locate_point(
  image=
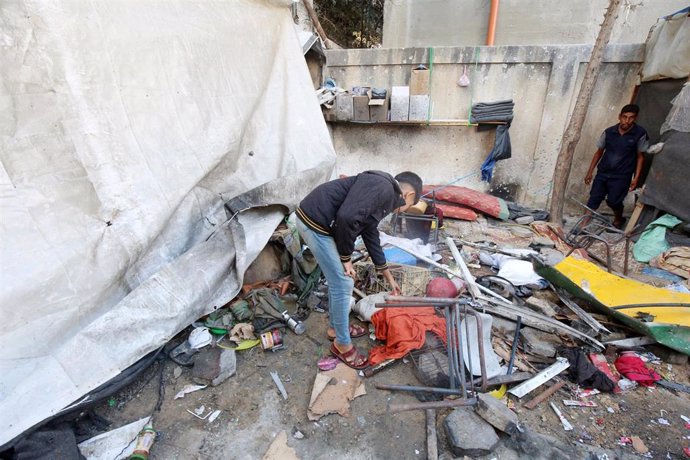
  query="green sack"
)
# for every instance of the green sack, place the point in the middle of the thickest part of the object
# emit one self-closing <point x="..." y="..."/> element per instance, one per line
<point x="652" y="241"/>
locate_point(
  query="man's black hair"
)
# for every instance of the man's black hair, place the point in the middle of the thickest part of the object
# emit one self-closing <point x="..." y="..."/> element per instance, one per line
<point x="631" y="108"/>
<point x="413" y="181"/>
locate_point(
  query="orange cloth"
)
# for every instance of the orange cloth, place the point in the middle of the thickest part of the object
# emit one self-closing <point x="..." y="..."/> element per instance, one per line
<point x="404" y="329"/>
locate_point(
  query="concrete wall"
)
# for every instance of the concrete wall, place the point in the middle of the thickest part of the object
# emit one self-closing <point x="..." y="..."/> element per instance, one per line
<point x="542" y="80"/>
<point x="422" y="23"/>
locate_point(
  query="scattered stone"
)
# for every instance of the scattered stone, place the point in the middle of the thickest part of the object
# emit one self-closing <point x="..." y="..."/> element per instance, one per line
<point x="468" y="434"/>
<point x="177" y="372"/>
<point x="497" y="414"/>
<point x="298" y="434"/>
<point x="539" y="343"/>
<point x="542" y="306"/>
<point x="639" y="445"/>
<point x="543" y="241"/>
<point x="213" y="366"/>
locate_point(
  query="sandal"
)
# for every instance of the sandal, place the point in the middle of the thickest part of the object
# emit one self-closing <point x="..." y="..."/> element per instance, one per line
<point x="351" y="358"/>
<point x="355" y="332"/>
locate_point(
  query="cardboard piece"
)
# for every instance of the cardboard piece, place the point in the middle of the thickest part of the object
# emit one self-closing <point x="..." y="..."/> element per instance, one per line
<point x="279" y="449"/>
<point x="419" y="82"/>
<point x="333" y="390"/>
<point x="400" y="103"/>
<point x="360" y="105"/>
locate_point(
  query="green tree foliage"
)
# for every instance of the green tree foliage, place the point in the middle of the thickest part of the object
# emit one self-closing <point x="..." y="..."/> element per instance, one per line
<point x="352" y="23"/>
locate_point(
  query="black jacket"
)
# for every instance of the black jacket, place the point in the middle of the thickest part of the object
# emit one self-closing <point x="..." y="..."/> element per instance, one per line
<point x="346" y="208"/>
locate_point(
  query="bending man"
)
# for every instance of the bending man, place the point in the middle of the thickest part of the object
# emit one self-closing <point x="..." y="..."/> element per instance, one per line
<point x="329" y="220"/>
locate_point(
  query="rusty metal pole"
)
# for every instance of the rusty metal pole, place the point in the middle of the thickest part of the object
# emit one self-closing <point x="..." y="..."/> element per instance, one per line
<point x="491" y="30"/>
<point x="315" y="21"/>
<point x="572" y="133"/>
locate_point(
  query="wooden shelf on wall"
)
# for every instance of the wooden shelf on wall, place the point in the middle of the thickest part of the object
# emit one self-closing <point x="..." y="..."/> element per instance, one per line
<point x="420" y="123"/>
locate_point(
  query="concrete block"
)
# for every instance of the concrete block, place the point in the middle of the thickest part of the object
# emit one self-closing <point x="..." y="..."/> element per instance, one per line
<point x="497" y="414"/>
<point x="343" y="107"/>
<point x="542" y="306"/>
<point x="419" y="82"/>
<point x="468" y="434"/>
<point x="539" y="343"/>
<point x="419" y="107"/>
<point x="360" y="107"/>
<point x="213" y="366"/>
<point x="400" y="103"/>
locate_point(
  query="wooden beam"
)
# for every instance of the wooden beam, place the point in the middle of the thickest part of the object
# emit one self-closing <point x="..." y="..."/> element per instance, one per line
<point x="572" y="133"/>
<point x="315" y="21"/>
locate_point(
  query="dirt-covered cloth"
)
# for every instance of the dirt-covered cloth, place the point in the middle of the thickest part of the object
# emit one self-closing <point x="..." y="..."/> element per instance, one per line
<point x="584" y="373"/>
<point x="404" y="330"/>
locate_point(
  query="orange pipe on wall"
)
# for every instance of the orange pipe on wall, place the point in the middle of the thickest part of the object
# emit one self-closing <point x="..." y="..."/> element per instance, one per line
<point x="493" y="15"/>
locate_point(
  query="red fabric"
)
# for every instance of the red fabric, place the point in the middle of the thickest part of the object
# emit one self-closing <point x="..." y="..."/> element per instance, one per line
<point x="474" y="199"/>
<point x="633" y="368"/>
<point x="404" y="329"/>
<point x="454" y="211"/>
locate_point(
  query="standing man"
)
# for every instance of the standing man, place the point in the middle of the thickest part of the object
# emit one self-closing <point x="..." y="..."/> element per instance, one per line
<point x="619" y="157"/>
<point x="329" y="220"/>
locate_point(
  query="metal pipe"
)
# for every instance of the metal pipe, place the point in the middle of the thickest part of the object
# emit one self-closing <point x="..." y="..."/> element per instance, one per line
<point x="513" y="350"/>
<point x="445" y="391"/>
<point x="440" y="301"/>
<point x="461" y="359"/>
<point x="433" y="405"/>
<point x="493" y="16"/>
<point x="451" y="371"/>
<point x="457" y="350"/>
<point x="480" y="344"/>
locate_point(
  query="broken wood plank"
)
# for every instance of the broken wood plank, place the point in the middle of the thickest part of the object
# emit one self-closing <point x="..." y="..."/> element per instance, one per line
<point x="544" y="376"/>
<point x="431" y="439"/>
<point x="535" y="320"/>
<point x="509" y="378"/>
<point x="583" y="315"/>
<point x="632" y="342"/>
<point x="469" y="279"/>
<point x="544" y="395"/>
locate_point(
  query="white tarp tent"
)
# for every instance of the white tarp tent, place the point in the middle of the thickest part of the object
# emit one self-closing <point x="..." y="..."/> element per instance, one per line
<point x="124" y="128"/>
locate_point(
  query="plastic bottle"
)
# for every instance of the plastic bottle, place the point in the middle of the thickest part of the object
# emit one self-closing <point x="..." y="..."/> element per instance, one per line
<point x="144" y="442"/>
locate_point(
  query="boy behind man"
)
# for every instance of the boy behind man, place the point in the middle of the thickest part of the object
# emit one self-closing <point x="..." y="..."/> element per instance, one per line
<point x="619" y="156"/>
<point x="329" y="220"/>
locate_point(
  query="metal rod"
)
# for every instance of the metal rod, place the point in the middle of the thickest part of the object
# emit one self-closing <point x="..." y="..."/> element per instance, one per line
<point x="513" y="350"/>
<point x="544" y="395"/>
<point x="461" y="360"/>
<point x="438" y="301"/>
<point x="480" y="344"/>
<point x="459" y="363"/>
<point x="433" y="405"/>
<point x="451" y="371"/>
<point x="445" y="391"/>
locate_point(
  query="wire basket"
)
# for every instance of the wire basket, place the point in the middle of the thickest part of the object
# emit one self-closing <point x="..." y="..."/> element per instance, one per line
<point x="411" y="279"/>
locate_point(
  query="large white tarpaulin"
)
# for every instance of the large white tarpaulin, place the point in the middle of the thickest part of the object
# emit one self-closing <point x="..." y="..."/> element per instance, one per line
<point x="124" y="128"/>
<point x="667" y="51"/>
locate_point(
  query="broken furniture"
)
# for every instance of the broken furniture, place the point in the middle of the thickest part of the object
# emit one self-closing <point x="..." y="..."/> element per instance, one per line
<point x="589" y="229"/>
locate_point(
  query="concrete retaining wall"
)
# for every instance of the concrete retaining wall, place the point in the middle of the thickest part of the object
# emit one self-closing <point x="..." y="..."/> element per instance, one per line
<point x="542" y="80"/>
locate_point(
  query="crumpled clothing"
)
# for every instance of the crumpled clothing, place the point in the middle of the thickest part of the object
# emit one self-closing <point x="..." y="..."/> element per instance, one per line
<point x="633" y="368"/>
<point x="584" y="373"/>
<point x="404" y="330"/>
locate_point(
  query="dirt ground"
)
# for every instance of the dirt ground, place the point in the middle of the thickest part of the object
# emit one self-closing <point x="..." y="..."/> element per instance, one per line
<point x="253" y="411"/>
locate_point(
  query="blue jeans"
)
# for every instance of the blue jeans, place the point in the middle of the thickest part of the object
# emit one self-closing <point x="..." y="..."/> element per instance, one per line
<point x="339" y="285"/>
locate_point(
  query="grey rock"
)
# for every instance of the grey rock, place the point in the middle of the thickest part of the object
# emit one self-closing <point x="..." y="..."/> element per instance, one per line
<point x="542" y="306"/>
<point x="539" y="343"/>
<point x="525" y="220"/>
<point x="468" y="434"/>
<point x="497" y="414"/>
<point x="213" y="366"/>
